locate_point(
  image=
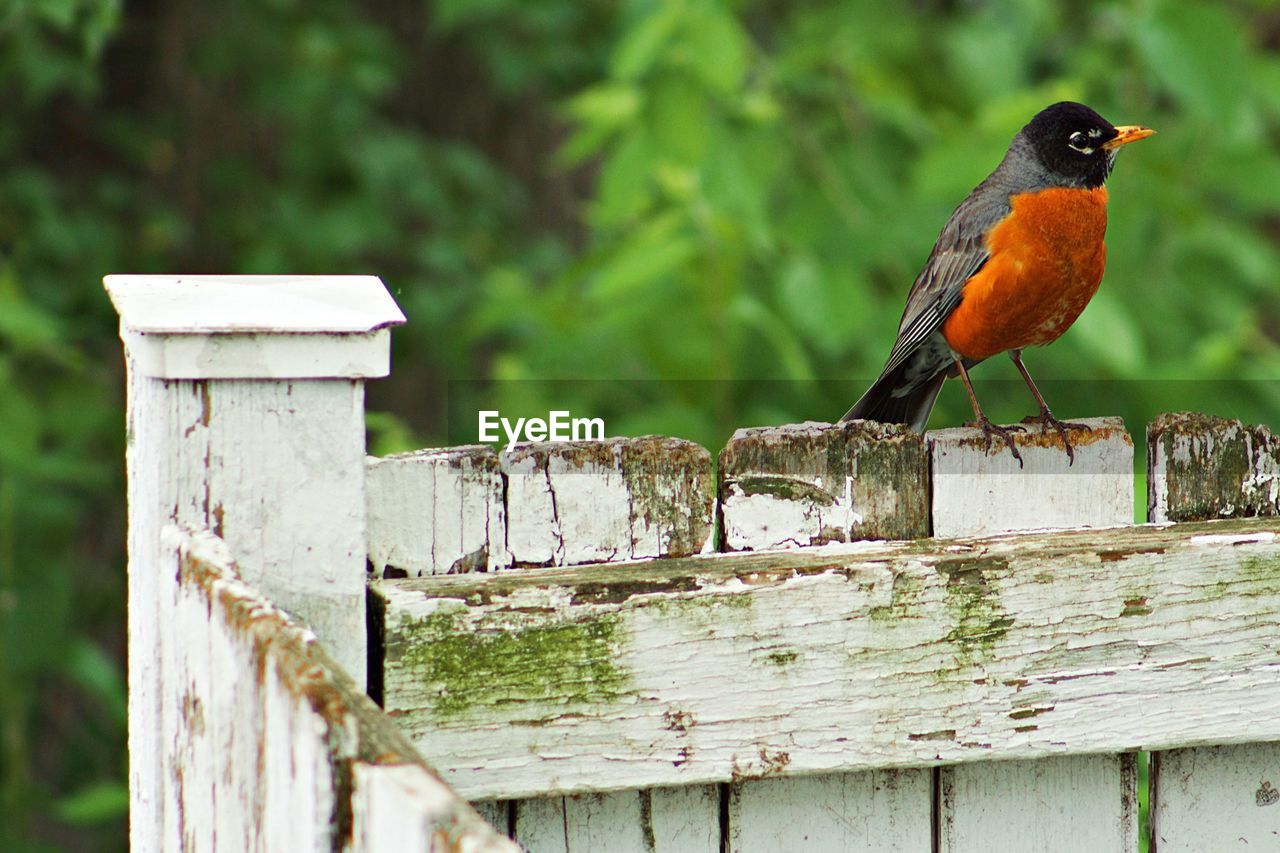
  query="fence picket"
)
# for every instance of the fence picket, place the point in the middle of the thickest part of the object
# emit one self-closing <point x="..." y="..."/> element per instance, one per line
<point x="1069" y="804"/>
<point x="876" y="811"/>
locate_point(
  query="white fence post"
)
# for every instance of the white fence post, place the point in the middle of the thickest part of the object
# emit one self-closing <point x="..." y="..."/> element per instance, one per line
<point x="246" y="416"/>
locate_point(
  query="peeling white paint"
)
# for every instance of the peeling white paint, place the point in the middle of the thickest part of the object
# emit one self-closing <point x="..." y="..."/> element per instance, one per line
<point x="861" y="668"/>
<point x="978" y="491"/>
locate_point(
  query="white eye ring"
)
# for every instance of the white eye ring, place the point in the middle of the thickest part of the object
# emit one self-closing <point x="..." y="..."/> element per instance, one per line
<point x="1080" y="142"/>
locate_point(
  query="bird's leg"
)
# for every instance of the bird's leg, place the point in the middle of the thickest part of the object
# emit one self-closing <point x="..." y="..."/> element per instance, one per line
<point x="984" y="424"/>
<point x="1046" y="417"/>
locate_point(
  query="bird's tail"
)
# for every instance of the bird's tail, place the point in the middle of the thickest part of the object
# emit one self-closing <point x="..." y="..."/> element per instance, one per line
<point x="893" y="400"/>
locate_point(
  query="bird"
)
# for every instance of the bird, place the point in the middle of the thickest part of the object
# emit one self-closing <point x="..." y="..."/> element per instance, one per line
<point x="1014" y="266"/>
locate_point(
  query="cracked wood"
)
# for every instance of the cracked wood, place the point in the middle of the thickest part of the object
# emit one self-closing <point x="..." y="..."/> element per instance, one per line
<point x="842" y="658"/>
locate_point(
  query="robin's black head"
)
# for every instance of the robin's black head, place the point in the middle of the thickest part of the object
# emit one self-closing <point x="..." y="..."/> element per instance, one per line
<point x="1076" y="145"/>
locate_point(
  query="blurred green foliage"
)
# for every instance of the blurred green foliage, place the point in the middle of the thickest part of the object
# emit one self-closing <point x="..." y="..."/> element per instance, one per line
<point x="697" y="215"/>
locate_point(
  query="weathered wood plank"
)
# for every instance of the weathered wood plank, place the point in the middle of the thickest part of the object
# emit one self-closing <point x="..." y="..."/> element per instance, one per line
<point x="843" y="658"/>
<point x="1217" y="798"/>
<point x="684" y="819"/>
<point x="602" y="501"/>
<point x="268" y="744"/>
<point x="1201" y="467"/>
<point x="659" y="820"/>
<point x="437" y="511"/>
<point x="978" y="492"/>
<point x="496" y="813"/>
<point x="814" y="483"/>
<point x="1066" y="804"/>
<point x="880" y="811"/>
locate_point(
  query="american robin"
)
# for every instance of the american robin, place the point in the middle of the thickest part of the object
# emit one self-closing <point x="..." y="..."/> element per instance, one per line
<point x="1014" y="266"/>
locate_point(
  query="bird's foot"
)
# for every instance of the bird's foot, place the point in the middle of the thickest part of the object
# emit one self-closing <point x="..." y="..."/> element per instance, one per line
<point x="1005" y="432"/>
<point x="1049" y="422"/>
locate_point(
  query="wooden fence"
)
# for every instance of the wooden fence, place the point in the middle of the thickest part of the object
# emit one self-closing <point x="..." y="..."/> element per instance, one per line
<point x="844" y="637"/>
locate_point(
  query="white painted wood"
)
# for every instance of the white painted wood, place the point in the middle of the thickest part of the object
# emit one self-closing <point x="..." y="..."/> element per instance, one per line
<point x="881" y="811"/>
<point x="400" y="807"/>
<point x="276" y="467"/>
<point x="602" y="501"/>
<point x="437" y="511"/>
<point x="813" y="483"/>
<point x="1217" y="798"/>
<point x="274" y="304"/>
<point x="260" y="356"/>
<point x="540" y="825"/>
<point x="977" y="492"/>
<point x="1067" y="804"/>
<point x="685" y="819"/>
<point x="258" y="727"/>
<point x="661" y="820"/>
<point x="842" y="658"/>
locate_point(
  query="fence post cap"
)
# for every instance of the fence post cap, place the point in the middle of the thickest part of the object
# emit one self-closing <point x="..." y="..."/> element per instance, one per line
<point x="255" y="326"/>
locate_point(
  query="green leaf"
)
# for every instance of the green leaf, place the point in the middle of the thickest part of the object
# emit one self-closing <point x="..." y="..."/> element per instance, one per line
<point x="90" y="667"/>
<point x="641" y="47"/>
<point x="625" y="186"/>
<point x="1197" y="51"/>
<point x="97" y="802"/>
<point x="1108" y="331"/>
<point x="717" y="49"/>
<point x="656" y="250"/>
<point x="755" y="315"/>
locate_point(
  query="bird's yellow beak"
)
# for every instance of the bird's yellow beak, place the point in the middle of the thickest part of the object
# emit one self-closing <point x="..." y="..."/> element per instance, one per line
<point x="1126" y="134"/>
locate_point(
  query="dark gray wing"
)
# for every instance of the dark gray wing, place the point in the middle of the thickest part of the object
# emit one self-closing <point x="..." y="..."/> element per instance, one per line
<point x="958" y="254"/>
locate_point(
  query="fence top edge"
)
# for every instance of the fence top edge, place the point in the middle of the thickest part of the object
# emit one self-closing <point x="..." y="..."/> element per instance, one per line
<point x="744" y="569"/>
<point x="258" y="304"/>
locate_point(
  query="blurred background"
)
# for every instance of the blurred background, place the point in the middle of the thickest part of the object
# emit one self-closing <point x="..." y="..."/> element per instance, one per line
<point x="683" y="216"/>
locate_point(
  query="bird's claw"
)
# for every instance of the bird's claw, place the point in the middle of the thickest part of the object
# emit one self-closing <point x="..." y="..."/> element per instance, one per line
<point x="1049" y="422"/>
<point x="1005" y="432"/>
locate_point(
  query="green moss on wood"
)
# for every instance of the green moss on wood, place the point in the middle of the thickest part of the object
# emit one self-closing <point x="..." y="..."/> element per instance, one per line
<point x="782" y="658"/>
<point x="905" y="601"/>
<point x="975" y="607"/>
<point x="785" y="488"/>
<point x="466" y="667"/>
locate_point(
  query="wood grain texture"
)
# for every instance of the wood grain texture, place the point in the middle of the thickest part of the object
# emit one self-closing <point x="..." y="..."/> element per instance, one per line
<point x="437" y="511"/>
<point x="659" y="820"/>
<point x="814" y="483"/>
<point x="266" y="743"/>
<point x="881" y="811"/>
<point x="274" y="468"/>
<point x="1066" y="804"/>
<point x="1201" y="467"/>
<point x="1217" y="798"/>
<point x="977" y="492"/>
<point x="602" y="501"/>
<point x="843" y="658"/>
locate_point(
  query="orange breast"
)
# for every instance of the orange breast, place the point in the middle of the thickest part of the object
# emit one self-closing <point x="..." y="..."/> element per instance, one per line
<point x="1046" y="262"/>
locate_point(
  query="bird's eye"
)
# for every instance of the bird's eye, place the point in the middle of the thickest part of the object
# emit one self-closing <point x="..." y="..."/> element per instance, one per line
<point x="1078" y="141"/>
